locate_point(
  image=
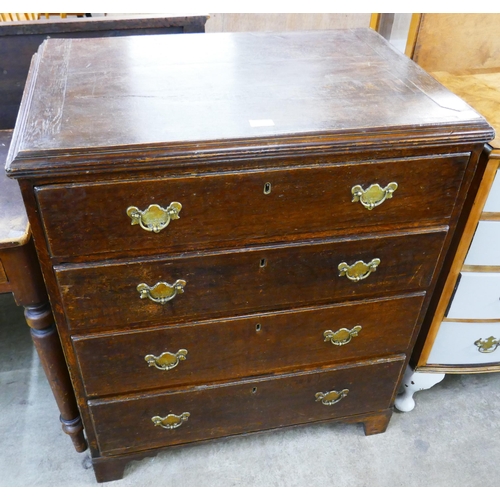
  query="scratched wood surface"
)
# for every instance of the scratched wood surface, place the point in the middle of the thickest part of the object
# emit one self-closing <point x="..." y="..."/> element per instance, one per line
<point x="225" y="284"/>
<point x="244" y="347"/>
<point x="172" y="89"/>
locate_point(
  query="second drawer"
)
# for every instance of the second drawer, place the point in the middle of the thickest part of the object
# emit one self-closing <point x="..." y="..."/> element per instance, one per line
<point x="234" y="348"/>
<point x="108" y="296"/>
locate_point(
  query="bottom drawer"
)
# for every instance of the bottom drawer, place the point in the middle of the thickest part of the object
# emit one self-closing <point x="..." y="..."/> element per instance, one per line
<point x="207" y="412"/>
<point x="455" y="344"/>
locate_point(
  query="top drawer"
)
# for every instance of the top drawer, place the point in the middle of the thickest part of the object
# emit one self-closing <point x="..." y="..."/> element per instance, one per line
<point x="236" y="209"/>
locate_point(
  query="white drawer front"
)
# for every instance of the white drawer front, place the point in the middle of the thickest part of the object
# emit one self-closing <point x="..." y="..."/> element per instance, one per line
<point x="477" y="297"/>
<point x="493" y="201"/>
<point x="485" y="247"/>
<point x="454" y="344"/>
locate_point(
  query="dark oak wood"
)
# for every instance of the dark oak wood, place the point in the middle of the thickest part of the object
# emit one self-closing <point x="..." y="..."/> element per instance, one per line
<point x="243" y="347"/>
<point x="316" y="200"/>
<point x="20" y="40"/>
<point x="113" y="468"/>
<point x="346" y="109"/>
<point x="191" y="109"/>
<point x="220" y="410"/>
<point x="377" y="423"/>
<point x="225" y="284"/>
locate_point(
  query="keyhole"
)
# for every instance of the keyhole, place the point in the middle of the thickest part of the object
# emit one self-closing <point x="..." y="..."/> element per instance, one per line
<point x="263" y="262"/>
<point x="267" y="188"/>
<point x="258" y="327"/>
<point x="254" y="390"/>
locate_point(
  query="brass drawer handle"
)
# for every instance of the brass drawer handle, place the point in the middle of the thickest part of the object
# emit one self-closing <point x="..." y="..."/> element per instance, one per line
<point x="374" y="196"/>
<point x="154" y="218"/>
<point x="162" y="292"/>
<point x="332" y="397"/>
<point x="166" y="360"/>
<point x="359" y="270"/>
<point x="342" y="336"/>
<point x="488" y="345"/>
<point x="171" y="421"/>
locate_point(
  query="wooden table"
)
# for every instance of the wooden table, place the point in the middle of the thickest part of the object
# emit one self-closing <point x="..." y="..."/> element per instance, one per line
<point x="20" y="274"/>
<point x="19" y="269"/>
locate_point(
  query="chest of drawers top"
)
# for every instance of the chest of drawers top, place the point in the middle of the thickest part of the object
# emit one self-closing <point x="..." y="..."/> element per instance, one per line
<point x="126" y="104"/>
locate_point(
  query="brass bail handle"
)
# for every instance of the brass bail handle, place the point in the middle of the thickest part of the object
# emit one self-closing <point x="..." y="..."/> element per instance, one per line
<point x="374" y="196"/>
<point x="488" y="345"/>
<point x="154" y="218"/>
<point x="162" y="292"/>
<point x="332" y="397"/>
<point x="359" y="270"/>
<point x="342" y="336"/>
<point x="166" y="360"/>
<point x="171" y="421"/>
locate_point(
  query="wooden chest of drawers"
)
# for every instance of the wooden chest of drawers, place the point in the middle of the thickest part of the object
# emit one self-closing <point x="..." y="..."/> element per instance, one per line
<point x="238" y="232"/>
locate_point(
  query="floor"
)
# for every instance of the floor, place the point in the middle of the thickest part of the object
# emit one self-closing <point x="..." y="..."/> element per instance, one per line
<point x="451" y="438"/>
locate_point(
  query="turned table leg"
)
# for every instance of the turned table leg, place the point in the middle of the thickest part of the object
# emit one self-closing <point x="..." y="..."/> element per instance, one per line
<point x="48" y="346"/>
<point x="26" y="283"/>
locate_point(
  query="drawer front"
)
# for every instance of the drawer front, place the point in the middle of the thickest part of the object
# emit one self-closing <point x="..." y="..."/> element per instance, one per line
<point x="492" y="204"/>
<point x="466" y="344"/>
<point x="241" y="407"/>
<point x="229" y="284"/>
<point x="251" y="346"/>
<point x="477" y="297"/>
<point x="485" y="244"/>
<point x="237" y="209"/>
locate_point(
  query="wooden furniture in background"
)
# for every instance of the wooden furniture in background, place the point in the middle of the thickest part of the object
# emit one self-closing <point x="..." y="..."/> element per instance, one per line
<point x="19" y="41"/>
<point x="462" y="51"/>
<point x="234" y="22"/>
<point x="19" y="269"/>
<point x="246" y="249"/>
<point x="34" y="16"/>
<point x="20" y="274"/>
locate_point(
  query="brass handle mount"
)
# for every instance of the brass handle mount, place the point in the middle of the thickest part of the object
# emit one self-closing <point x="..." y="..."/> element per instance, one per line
<point x="342" y="336"/>
<point x="162" y="292"/>
<point x="332" y="397"/>
<point x="359" y="270"/>
<point x="374" y="196"/>
<point x="171" y="421"/>
<point x="154" y="218"/>
<point x="487" y="346"/>
<point x="166" y="360"/>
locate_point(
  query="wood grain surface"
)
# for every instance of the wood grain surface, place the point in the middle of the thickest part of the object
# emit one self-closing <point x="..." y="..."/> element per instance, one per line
<point x="242" y="347"/>
<point x="187" y="91"/>
<point x="251" y="405"/>
<point x="233" y="209"/>
<point x="105" y="296"/>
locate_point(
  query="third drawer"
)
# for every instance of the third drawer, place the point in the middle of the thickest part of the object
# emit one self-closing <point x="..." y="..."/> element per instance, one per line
<point x="241" y="347"/>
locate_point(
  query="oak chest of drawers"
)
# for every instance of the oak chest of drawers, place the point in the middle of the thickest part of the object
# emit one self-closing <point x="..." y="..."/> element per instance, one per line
<point x="238" y="232"/>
